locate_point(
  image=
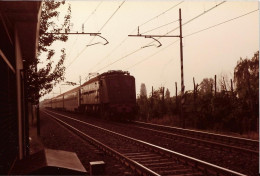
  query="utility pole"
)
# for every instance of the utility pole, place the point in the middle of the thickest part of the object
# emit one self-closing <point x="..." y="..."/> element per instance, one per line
<point x="215" y="85"/>
<point x="79" y="91"/>
<point x="182" y="74"/>
<point x="176" y="95"/>
<point x="181" y="58"/>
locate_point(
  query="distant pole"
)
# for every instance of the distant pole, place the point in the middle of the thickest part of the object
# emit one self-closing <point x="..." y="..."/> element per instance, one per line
<point x="181" y="57"/>
<point x="194" y="91"/>
<point x="152" y="98"/>
<point x="79" y="101"/>
<point x="182" y="75"/>
<point x="176" y="95"/>
<point x="215" y="85"/>
<point x="231" y="85"/>
<point x="163" y="109"/>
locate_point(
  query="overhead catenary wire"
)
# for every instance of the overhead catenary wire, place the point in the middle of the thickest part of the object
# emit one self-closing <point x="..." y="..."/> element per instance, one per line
<point x="161" y="13"/>
<point x="148" y="57"/>
<point x="98" y="32"/>
<point x="203" y="13"/>
<point x="93" y="12"/>
<point x="221" y="23"/>
<point x="121" y="58"/>
<point x="187" y="22"/>
<point x="107" y="20"/>
<point x="194" y="34"/>
<point x="132" y="32"/>
<point x="72" y="46"/>
<point x="160" y="26"/>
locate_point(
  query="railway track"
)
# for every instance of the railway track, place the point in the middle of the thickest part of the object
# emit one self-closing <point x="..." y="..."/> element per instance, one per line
<point x="142" y="157"/>
<point x="224" y="142"/>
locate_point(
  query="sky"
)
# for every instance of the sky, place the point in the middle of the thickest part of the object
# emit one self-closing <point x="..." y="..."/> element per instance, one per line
<point x="211" y="52"/>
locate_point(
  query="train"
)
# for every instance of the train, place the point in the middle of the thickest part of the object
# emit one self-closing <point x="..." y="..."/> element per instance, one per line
<point x="110" y="95"/>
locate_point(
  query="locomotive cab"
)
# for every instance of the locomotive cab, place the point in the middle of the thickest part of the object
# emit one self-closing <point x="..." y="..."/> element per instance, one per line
<point x="117" y="93"/>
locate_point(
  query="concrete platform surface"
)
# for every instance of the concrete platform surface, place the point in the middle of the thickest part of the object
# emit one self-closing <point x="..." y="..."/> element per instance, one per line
<point x="51" y="162"/>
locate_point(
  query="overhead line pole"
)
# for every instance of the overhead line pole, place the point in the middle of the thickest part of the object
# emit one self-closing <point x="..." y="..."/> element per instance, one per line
<point x="182" y="74"/>
<point x="181" y="59"/>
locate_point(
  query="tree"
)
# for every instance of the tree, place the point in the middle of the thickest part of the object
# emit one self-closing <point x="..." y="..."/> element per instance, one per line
<point x="167" y="94"/>
<point x="224" y="81"/>
<point x="206" y="85"/>
<point x="246" y="78"/>
<point x="41" y="81"/>
<point x="143" y="91"/>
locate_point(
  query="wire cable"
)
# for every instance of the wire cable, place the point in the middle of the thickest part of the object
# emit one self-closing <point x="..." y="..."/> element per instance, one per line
<point x="98" y="31"/>
<point x="161" y="13"/>
<point x="203" y="13"/>
<point x="164" y="35"/>
<point x="108" y="54"/>
<point x="107" y="21"/>
<point x="72" y="46"/>
<point x="221" y="23"/>
<point x="194" y="34"/>
<point x="93" y="12"/>
<point x="133" y="31"/>
<point x="148" y="57"/>
<point x="121" y="58"/>
<point x="159" y="27"/>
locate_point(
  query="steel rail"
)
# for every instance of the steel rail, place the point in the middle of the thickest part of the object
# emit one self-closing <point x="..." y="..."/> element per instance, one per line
<point x="205" y="142"/>
<point x="205" y="167"/>
<point x="135" y="166"/>
<point x="209" y="135"/>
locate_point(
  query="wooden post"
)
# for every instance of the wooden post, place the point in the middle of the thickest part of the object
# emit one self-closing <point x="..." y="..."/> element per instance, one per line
<point x="152" y="99"/>
<point x="163" y="109"/>
<point x="194" y="94"/>
<point x="231" y="82"/>
<point x="194" y="91"/>
<point x="215" y="85"/>
<point x="176" y="96"/>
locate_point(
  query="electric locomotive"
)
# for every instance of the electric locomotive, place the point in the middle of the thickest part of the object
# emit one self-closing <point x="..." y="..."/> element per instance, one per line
<point x="111" y="95"/>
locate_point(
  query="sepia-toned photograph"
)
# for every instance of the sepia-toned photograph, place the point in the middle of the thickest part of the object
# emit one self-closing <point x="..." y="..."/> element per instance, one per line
<point x="129" y="87"/>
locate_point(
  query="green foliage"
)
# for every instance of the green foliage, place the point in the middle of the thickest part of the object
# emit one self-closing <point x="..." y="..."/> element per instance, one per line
<point x="233" y="110"/>
<point x="41" y="81"/>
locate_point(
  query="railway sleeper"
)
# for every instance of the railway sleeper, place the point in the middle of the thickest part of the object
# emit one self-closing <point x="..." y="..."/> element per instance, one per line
<point x="175" y="171"/>
<point x="160" y="164"/>
<point x="141" y="155"/>
<point x="146" y="158"/>
<point x="167" y="167"/>
<point x="135" y="154"/>
<point x="154" y="161"/>
<point x="189" y="174"/>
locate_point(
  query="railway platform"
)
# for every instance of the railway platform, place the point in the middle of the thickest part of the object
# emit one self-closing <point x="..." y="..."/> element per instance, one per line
<point x="42" y="160"/>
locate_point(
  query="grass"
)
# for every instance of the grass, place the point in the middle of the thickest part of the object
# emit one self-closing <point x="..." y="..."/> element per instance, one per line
<point x="174" y="120"/>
